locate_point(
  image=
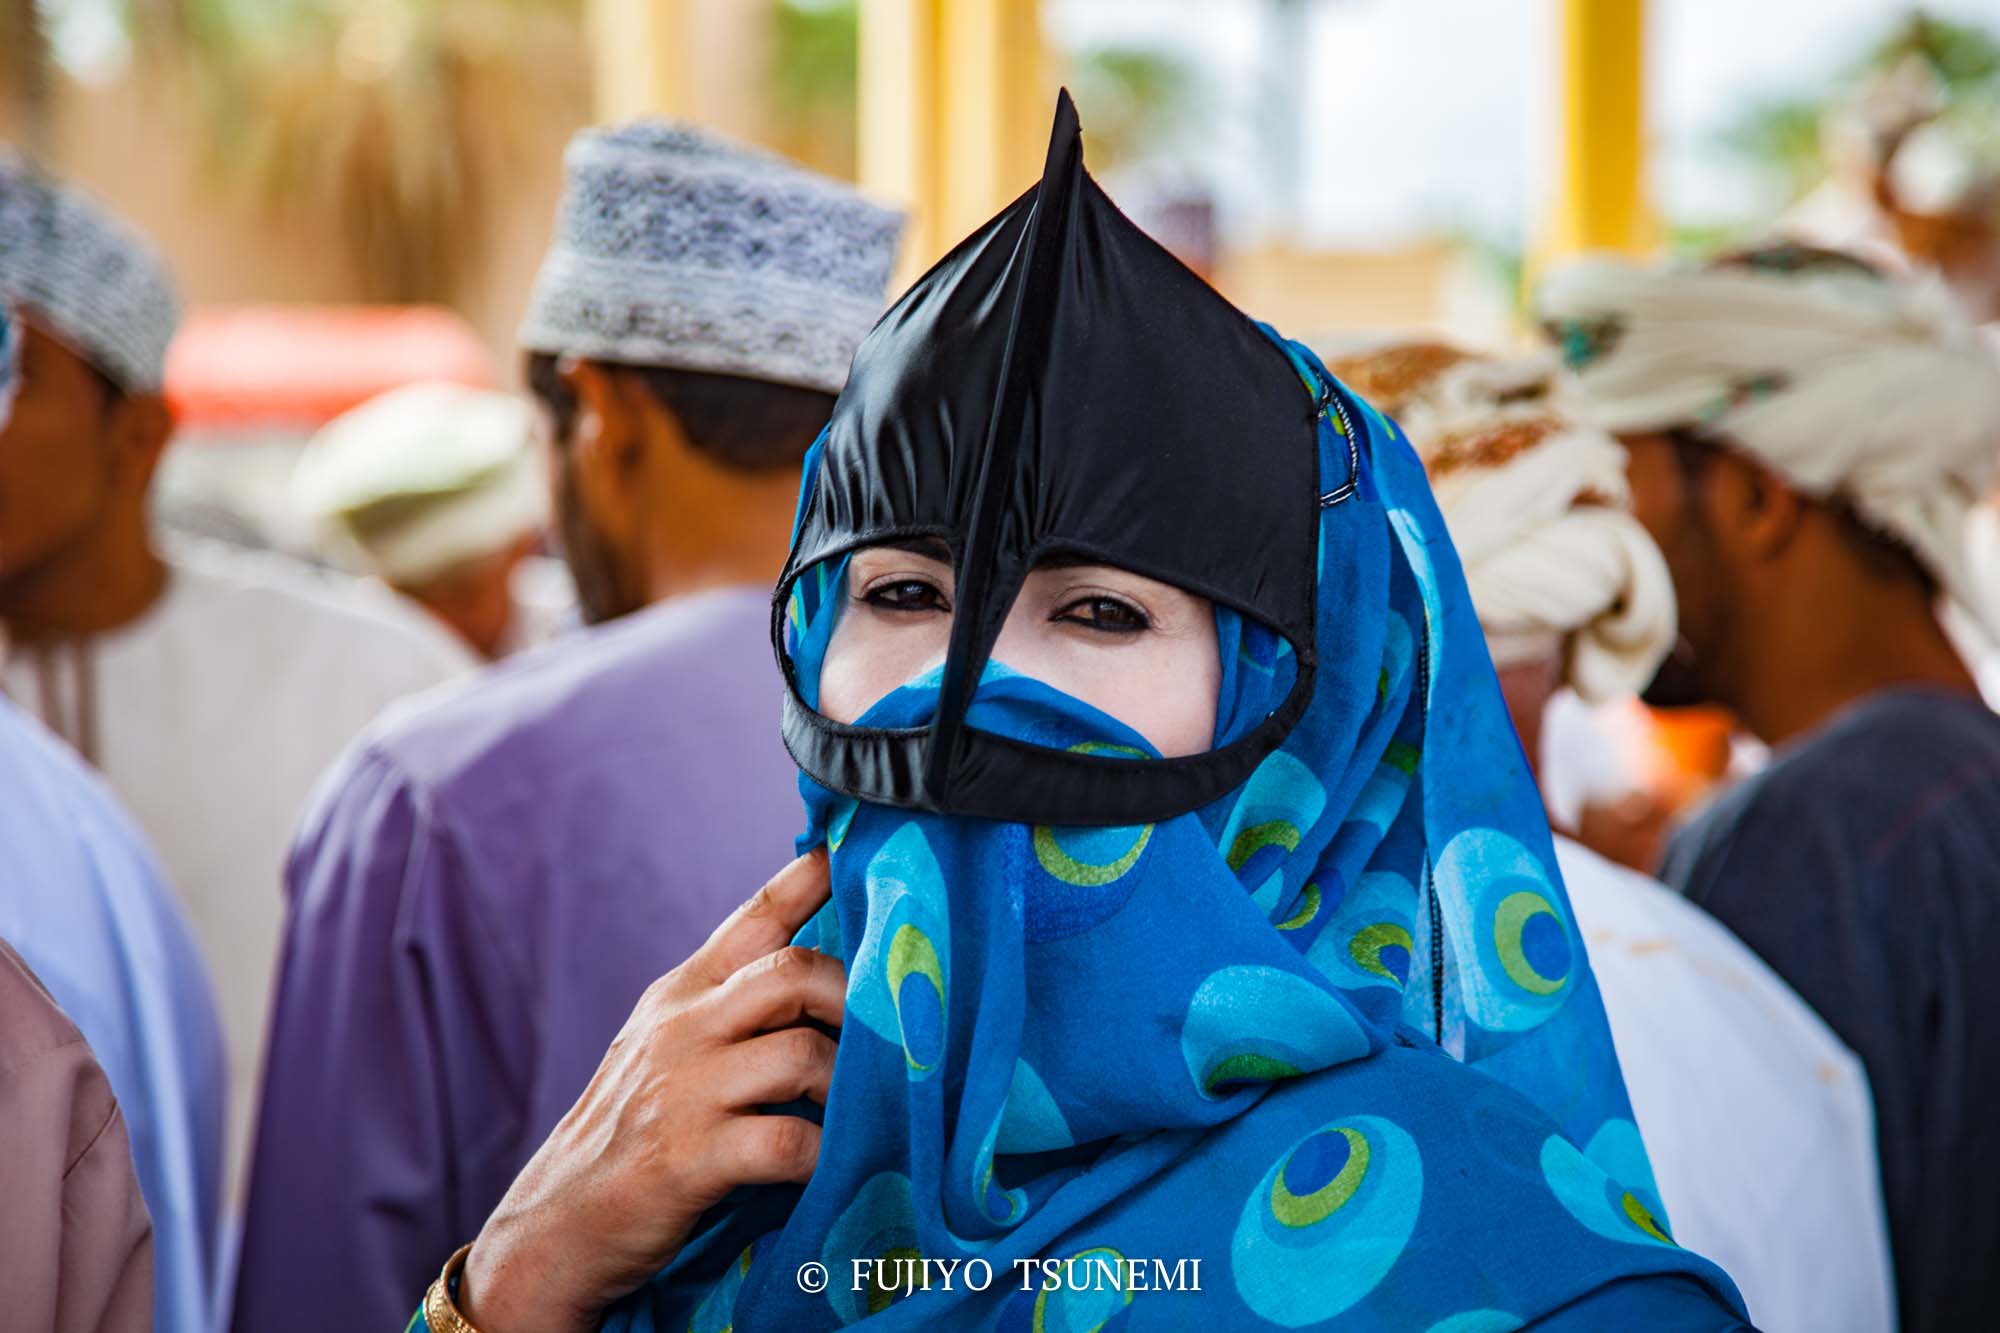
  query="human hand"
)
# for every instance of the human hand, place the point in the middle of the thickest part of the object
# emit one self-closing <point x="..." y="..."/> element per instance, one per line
<point x="668" y="1124"/>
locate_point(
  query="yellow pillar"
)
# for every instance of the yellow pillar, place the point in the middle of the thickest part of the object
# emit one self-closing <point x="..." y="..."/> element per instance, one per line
<point x="700" y="60"/>
<point x="1601" y="190"/>
<point x="635" y="56"/>
<point x="954" y="112"/>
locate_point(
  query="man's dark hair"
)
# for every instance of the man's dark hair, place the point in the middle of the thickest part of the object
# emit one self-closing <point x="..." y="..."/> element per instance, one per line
<point x="108" y="386"/>
<point x="738" y="421"/>
<point x="1885" y="554"/>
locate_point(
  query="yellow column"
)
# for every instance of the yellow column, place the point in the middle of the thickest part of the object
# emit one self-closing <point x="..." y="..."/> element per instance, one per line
<point x="1601" y="191"/>
<point x="954" y="112"/>
<point x="636" y="50"/>
<point x="700" y="60"/>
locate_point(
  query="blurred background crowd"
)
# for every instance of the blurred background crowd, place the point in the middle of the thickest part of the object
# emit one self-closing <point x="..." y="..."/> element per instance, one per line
<point x="354" y="194"/>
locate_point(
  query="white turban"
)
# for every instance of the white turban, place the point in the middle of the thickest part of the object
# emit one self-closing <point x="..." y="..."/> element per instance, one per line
<point x="1852" y="385"/>
<point x="1536" y="507"/>
<point x="423" y="478"/>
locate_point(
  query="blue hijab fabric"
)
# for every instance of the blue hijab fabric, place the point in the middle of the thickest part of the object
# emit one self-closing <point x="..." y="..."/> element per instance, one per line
<point x="10" y="362"/>
<point x="1324" y="1054"/>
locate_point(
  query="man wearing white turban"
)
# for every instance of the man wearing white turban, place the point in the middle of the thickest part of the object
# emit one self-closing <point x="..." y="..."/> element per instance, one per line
<point x="434" y="488"/>
<point x="1756" y="1117"/>
<point x="1806" y="437"/>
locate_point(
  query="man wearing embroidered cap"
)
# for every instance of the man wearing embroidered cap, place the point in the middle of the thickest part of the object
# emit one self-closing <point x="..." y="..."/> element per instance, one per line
<point x="1805" y="438"/>
<point x="689" y="329"/>
<point x="433" y="488"/>
<point x="209" y="687"/>
<point x="486" y="888"/>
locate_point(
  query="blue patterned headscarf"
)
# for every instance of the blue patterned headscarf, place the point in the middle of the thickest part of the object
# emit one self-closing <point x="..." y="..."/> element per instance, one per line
<point x="10" y="362"/>
<point x="1328" y="1050"/>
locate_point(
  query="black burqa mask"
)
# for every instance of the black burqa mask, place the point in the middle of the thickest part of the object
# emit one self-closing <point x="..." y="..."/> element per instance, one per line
<point x="1060" y="385"/>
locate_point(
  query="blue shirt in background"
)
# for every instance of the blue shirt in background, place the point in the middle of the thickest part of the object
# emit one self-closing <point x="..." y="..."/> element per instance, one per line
<point x="83" y="904"/>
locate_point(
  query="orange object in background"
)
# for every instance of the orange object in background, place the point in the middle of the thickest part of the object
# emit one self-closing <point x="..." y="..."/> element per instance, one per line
<point x="260" y="366"/>
<point x="1676" y="759"/>
<point x="1693" y="750"/>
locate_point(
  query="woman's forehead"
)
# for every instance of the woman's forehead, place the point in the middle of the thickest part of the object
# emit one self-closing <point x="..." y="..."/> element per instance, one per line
<point x="936" y="549"/>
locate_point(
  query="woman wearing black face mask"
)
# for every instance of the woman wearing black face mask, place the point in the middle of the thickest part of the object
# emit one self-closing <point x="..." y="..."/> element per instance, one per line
<point x="1193" y="937"/>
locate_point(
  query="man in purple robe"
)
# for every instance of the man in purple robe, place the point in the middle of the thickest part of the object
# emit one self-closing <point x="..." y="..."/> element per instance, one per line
<point x="487" y="882"/>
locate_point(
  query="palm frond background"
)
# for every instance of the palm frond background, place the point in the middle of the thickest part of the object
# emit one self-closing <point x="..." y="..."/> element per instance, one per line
<point x="397" y="120"/>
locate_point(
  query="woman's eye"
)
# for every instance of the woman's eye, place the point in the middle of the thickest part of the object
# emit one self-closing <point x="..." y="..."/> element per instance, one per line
<point x="906" y="595"/>
<point x="1106" y="614"/>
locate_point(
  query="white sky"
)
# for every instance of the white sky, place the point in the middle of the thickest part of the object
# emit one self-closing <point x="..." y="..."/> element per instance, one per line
<point x="1440" y="114"/>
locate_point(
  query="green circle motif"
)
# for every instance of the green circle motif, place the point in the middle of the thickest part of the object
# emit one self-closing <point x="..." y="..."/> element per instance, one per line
<point x="1295" y="1210"/>
<point x="1642" y="1217"/>
<point x="1083" y="874"/>
<point x="1369" y="941"/>
<point x="1041" y="1322"/>
<point x="880" y="1297"/>
<point x="1510" y="920"/>
<point x="1246" y="1067"/>
<point x="1308" y="909"/>
<point x="1108" y="747"/>
<point x="911" y="951"/>
<point x="1272" y="832"/>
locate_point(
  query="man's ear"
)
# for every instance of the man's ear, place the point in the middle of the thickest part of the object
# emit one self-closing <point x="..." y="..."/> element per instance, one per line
<point x="606" y="446"/>
<point x="1754" y="511"/>
<point x="139" y="428"/>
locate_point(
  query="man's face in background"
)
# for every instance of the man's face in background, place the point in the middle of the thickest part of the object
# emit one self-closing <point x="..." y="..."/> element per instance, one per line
<point x="56" y="456"/>
<point x="1666" y="475"/>
<point x="606" y="586"/>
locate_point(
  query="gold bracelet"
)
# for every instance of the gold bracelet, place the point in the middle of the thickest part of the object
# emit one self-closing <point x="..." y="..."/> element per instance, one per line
<point x="439" y="1313"/>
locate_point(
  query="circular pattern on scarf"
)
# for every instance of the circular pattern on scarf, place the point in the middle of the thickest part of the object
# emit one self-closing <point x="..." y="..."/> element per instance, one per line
<point x="1328" y="1221"/>
<point x="1259" y="1024"/>
<point x="1596" y="1200"/>
<point x="1090" y="858"/>
<point x="1086" y="874"/>
<point x="1280" y="803"/>
<point x="1370" y="937"/>
<point x="900" y="978"/>
<point x="1506" y="918"/>
<point x="717" y="1311"/>
<point x="1087" y="1295"/>
<point x="1304" y="910"/>
<point x="881" y="1223"/>
<point x="1618" y="1150"/>
<point x="916" y="980"/>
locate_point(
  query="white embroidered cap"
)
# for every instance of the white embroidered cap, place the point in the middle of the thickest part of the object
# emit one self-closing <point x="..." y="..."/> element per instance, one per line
<point x="84" y="276"/>
<point x="677" y="247"/>
<point x="422" y="478"/>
